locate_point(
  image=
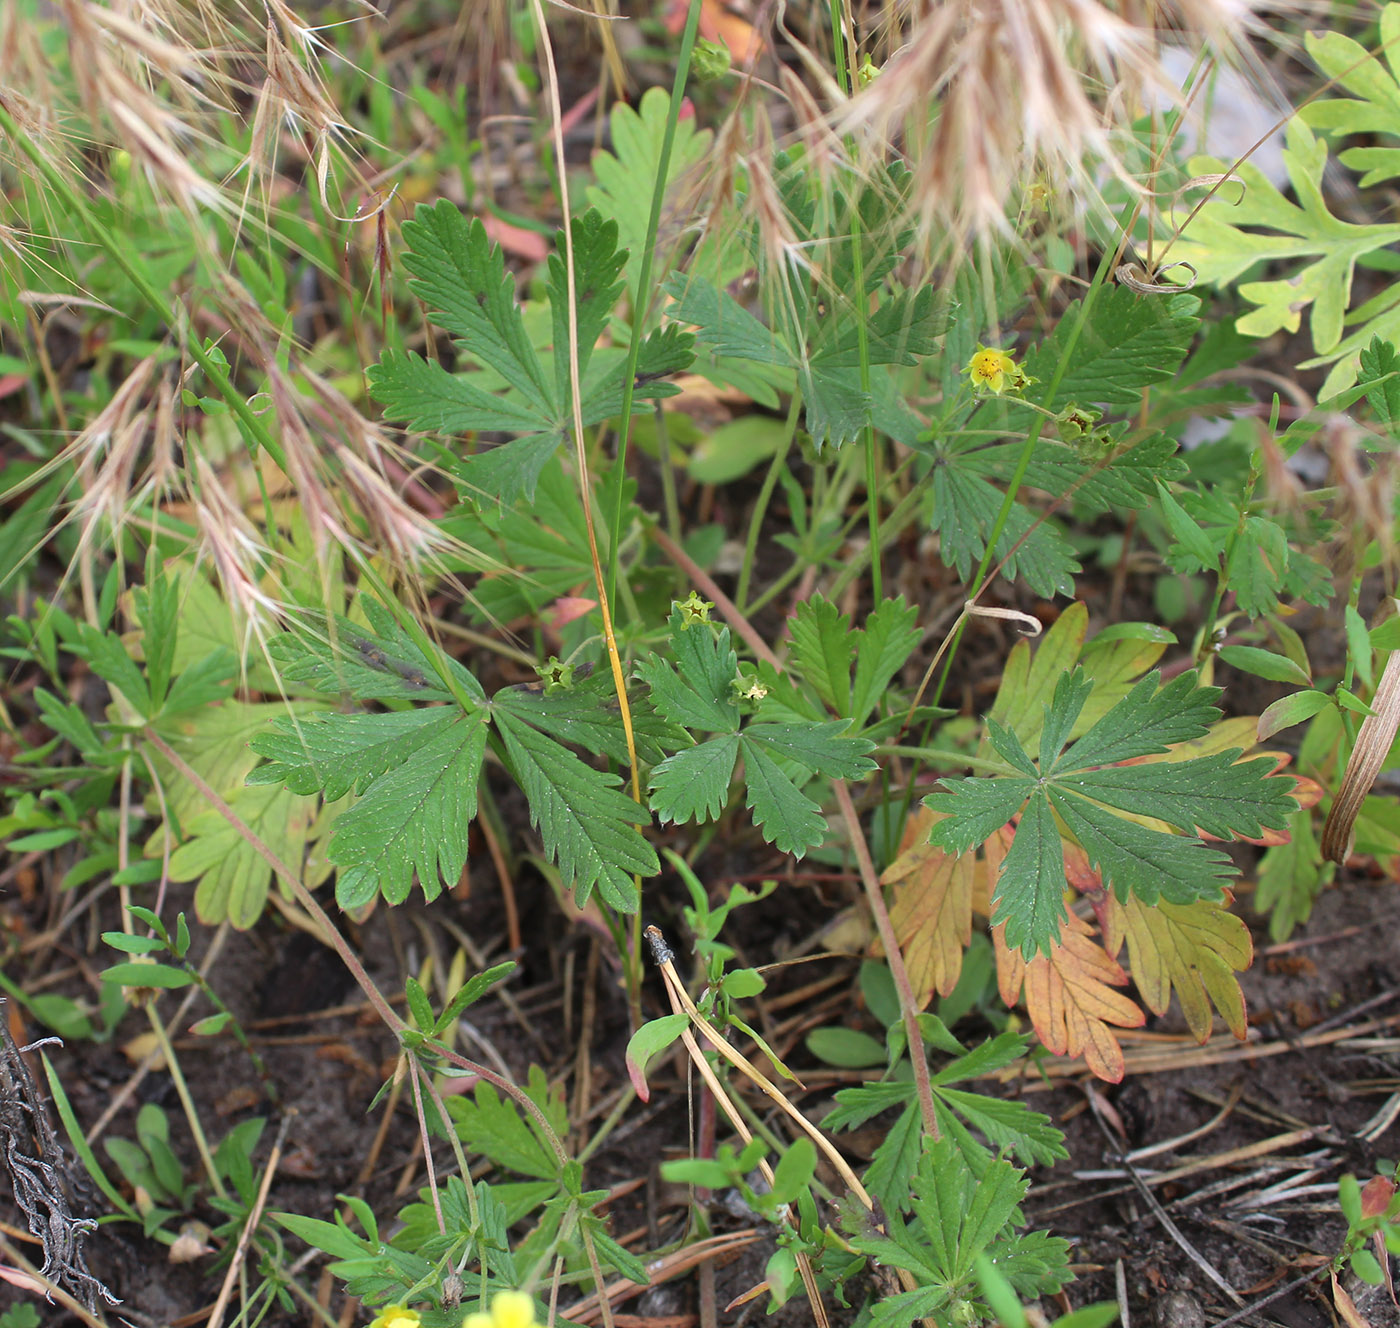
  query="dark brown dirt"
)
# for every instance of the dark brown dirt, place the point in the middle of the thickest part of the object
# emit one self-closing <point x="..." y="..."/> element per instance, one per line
<point x="1341" y="973"/>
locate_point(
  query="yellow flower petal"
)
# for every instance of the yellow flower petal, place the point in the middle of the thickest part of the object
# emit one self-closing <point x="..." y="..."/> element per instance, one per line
<point x="396" y="1316"/>
<point x="513" y="1309"/>
<point x="477" y="1320"/>
<point x="988" y="369"/>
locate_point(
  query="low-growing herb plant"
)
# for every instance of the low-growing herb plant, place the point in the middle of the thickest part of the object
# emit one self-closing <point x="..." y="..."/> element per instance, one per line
<point x="301" y="713"/>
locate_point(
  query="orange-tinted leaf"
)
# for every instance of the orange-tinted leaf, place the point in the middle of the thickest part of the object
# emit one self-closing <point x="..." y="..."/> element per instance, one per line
<point x="931" y="909"/>
<point x="1196" y="948"/>
<point x="1308" y="791"/>
<point x="1070" y="998"/>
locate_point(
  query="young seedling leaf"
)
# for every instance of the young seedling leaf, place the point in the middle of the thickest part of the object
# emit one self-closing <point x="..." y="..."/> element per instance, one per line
<point x="647" y="1042"/>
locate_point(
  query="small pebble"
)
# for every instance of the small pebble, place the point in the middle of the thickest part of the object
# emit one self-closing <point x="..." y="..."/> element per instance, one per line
<point x="1178" y="1309"/>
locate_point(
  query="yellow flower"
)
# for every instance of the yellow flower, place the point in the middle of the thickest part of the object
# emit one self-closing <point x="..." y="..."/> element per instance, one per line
<point x="509" y="1309"/>
<point x="396" y="1316"/>
<point x="989" y="370"/>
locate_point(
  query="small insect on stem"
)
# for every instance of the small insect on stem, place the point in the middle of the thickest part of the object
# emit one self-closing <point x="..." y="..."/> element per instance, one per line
<point x="661" y="953"/>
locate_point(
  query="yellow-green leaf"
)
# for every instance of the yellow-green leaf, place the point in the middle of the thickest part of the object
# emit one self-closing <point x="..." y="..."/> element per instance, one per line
<point x="1196" y="949"/>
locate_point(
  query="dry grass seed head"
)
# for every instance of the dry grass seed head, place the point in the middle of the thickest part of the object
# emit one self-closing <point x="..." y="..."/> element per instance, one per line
<point x="104" y="455"/>
<point x="1367" y="486"/>
<point x="117" y="64"/>
<point x="305" y="468"/>
<point x="239" y="557"/>
<point x="1018" y="86"/>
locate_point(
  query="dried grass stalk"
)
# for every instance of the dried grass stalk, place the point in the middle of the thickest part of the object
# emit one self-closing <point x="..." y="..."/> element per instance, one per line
<point x="1373" y="742"/>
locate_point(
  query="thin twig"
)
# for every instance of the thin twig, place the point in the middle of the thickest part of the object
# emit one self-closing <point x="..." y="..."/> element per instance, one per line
<point x="250" y="1225"/>
<point x="1158" y="1211"/>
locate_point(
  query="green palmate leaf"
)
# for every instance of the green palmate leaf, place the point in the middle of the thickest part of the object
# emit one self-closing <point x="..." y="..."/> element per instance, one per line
<point x="820" y="345"/>
<point x="426" y="396"/>
<point x="984" y="806"/>
<point x="882" y="649"/>
<point x="417" y="772"/>
<point x="337" y="754"/>
<point x="509" y="471"/>
<point x="1242" y="227"/>
<point x="598" y="287"/>
<point x="963" y="509"/>
<point x="666" y="351"/>
<point x="1380" y="375"/>
<point x="375" y="662"/>
<point x="1061" y="716"/>
<point x="788" y="819"/>
<point x="695" y="691"/>
<point x="1194" y="549"/>
<point x="822" y="748"/>
<point x="204" y="682"/>
<point x="494" y="1126"/>
<point x="1031" y="887"/>
<point x="959" y="1215"/>
<point x="629" y="171"/>
<point x="1129" y="481"/>
<point x="588" y="826"/>
<point x="823" y="650"/>
<point x="158" y="609"/>
<point x="693" y="785"/>
<point x="1260" y="567"/>
<point x="728" y="328"/>
<point x="1218" y="794"/>
<point x="1140" y="859"/>
<point x="1007" y="1124"/>
<point x="586" y="715"/>
<point x="109" y="660"/>
<point x="460" y="275"/>
<point x="1147" y="721"/>
<point x="544" y="547"/>
<point x="1213" y="794"/>
<point x="413" y="820"/>
<point x="1126" y="344"/>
